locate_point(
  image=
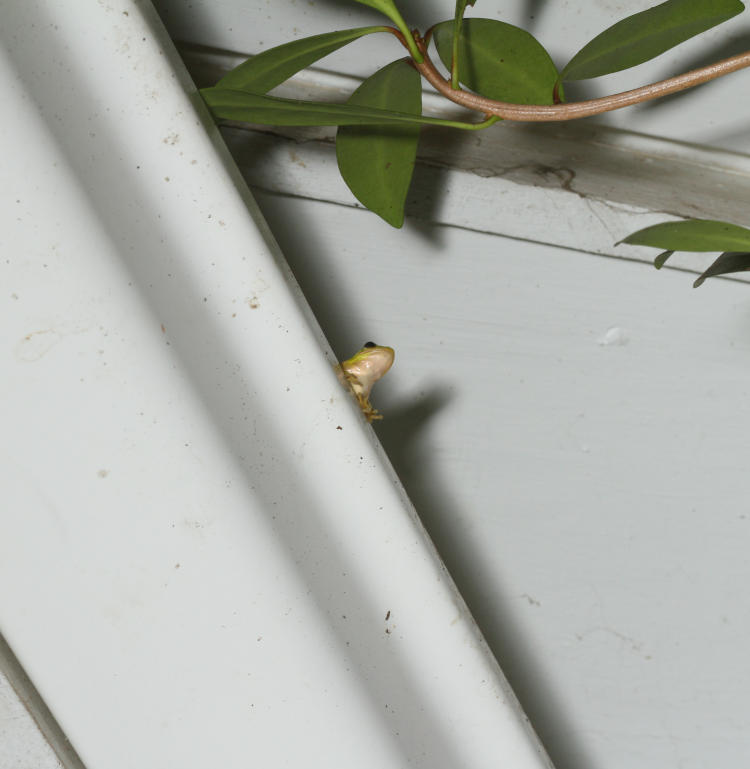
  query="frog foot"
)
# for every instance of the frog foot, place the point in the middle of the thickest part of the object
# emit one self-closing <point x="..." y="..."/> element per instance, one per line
<point x="371" y="414"/>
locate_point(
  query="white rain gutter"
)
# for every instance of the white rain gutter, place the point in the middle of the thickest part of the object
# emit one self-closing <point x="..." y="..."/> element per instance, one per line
<point x="206" y="559"/>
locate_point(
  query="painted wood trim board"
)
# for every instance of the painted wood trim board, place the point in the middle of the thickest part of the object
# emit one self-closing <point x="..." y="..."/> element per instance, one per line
<point x="211" y="559"/>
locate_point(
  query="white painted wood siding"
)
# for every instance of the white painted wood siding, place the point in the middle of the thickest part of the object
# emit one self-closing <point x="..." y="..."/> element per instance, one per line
<point x="571" y="426"/>
<point x="573" y="432"/>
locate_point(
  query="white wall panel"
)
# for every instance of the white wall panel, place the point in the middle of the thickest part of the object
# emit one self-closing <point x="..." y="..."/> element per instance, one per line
<point x="573" y="431"/>
<point x="571" y="428"/>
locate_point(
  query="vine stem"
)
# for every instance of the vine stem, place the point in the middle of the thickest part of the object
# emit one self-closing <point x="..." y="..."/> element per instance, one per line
<point x="543" y="113"/>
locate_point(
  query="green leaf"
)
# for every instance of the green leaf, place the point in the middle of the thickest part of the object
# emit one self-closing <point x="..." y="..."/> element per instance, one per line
<point x="693" y="235"/>
<point x="662" y="258"/>
<point x="247" y="107"/>
<point x="388" y="7"/>
<point x="647" y="34"/>
<point x="726" y="263"/>
<point x="499" y="61"/>
<point x="265" y="71"/>
<point x="377" y="161"/>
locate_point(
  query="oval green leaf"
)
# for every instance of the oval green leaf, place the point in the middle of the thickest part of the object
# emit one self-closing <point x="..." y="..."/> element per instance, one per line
<point x="245" y="107"/>
<point x="725" y="264"/>
<point x="387" y="7"/>
<point x="499" y="61"/>
<point x="377" y="162"/>
<point x="265" y="71"/>
<point x="693" y="235"/>
<point x="647" y="34"/>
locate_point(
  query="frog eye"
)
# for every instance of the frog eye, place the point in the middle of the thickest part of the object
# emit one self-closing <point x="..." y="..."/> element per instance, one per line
<point x="370" y="344"/>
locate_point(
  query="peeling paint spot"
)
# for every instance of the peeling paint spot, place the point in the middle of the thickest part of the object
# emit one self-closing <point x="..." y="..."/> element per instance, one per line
<point x="37" y="344"/>
<point x="295" y="158"/>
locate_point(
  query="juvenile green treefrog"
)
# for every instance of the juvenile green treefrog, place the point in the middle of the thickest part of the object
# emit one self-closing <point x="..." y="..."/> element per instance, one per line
<point x="362" y="370"/>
